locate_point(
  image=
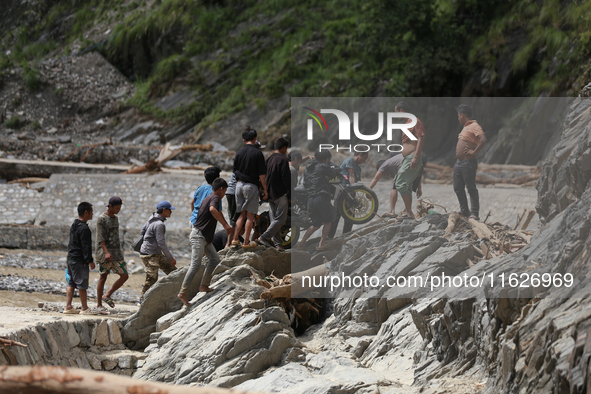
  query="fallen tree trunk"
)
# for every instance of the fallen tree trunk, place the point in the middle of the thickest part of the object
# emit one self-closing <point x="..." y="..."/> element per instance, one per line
<point x="151" y="166"/>
<point x="62" y="380"/>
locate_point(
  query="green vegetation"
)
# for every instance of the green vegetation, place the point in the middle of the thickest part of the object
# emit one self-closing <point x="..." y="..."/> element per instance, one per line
<point x="13" y="123"/>
<point x="232" y="54"/>
<point x="32" y="81"/>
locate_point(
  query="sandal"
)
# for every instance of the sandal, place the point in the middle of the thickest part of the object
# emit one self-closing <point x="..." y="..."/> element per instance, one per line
<point x="400" y="218"/>
<point x="252" y="244"/>
<point x="102" y="310"/>
<point x="109" y="302"/>
<point x="475" y="218"/>
<point x="72" y="311"/>
<point x="262" y="241"/>
<point x="323" y="248"/>
<point x="389" y="215"/>
<point x="234" y="243"/>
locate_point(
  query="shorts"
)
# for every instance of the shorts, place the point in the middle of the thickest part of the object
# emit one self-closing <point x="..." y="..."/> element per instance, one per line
<point x="78" y="275"/>
<point x="406" y="175"/>
<point x="247" y="197"/>
<point x="320" y="210"/>
<point x="116" y="267"/>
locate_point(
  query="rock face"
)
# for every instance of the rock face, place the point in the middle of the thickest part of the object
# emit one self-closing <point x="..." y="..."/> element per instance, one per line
<point x="237" y="337"/>
<point x="494" y="340"/>
<point x="567" y="170"/>
<point x="162" y="299"/>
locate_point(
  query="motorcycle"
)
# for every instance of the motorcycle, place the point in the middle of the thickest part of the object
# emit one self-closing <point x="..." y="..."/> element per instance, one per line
<point x="355" y="203"/>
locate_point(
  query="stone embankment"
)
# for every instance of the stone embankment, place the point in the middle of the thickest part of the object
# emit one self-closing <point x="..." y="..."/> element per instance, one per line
<point x="48" y="215"/>
<point x="68" y="340"/>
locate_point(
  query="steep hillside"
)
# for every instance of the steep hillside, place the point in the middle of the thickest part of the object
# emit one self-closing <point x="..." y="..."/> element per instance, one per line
<point x="197" y="63"/>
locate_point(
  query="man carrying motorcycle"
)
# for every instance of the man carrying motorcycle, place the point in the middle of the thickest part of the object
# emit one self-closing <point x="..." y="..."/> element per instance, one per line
<point x="351" y="172"/>
<point x="317" y="178"/>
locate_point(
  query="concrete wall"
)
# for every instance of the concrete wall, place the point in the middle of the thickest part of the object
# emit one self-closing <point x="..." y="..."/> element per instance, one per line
<point x="19" y="204"/>
<point x="44" y="218"/>
<point x="91" y="343"/>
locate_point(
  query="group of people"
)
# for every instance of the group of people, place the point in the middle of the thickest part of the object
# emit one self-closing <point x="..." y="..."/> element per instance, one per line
<point x="255" y="179"/>
<point x="405" y="167"/>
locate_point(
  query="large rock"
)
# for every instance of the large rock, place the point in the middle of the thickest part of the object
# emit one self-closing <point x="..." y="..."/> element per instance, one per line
<point x="162" y="299"/>
<point x="567" y="169"/>
<point x="223" y="339"/>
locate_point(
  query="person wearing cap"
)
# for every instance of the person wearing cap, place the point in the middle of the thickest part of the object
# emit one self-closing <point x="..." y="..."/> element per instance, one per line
<point x="109" y="255"/>
<point x="210" y="174"/>
<point x="154" y="252"/>
<point x="250" y="170"/>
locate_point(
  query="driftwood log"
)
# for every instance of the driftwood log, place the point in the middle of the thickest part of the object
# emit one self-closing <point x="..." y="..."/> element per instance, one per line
<point x="4" y="342"/>
<point x="480" y="229"/>
<point x="151" y="166"/>
<point x="165" y="155"/>
<point x="293" y="283"/>
<point x="488" y="174"/>
<point x="90" y="147"/>
<point x="451" y="223"/>
<point x="62" y="380"/>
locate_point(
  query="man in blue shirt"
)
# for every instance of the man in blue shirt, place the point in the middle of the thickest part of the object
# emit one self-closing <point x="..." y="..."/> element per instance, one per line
<point x="351" y="169"/>
<point x="211" y="174"/>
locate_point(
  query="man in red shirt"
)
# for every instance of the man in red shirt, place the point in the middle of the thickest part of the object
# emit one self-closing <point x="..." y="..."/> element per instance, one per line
<point x="411" y="165"/>
<point x="470" y="141"/>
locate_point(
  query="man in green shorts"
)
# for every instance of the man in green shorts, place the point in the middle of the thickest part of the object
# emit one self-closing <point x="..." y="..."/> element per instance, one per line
<point x="412" y="163"/>
<point x="109" y="255"/>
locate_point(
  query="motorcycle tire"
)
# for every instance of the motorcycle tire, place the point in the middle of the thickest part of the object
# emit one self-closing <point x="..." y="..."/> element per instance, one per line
<point x="357" y="204"/>
<point x="287" y="233"/>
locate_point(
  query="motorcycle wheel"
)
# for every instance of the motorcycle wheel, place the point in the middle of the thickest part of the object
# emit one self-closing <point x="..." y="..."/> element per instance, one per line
<point x="289" y="235"/>
<point x="357" y="204"/>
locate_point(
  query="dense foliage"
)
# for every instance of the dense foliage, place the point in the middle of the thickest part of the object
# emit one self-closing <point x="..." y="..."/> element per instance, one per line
<point x="231" y="53"/>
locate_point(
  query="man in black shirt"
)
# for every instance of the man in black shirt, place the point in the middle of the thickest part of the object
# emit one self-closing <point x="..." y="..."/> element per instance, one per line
<point x="279" y="187"/>
<point x="250" y="170"/>
<point x="201" y="238"/>
<point x="79" y="260"/>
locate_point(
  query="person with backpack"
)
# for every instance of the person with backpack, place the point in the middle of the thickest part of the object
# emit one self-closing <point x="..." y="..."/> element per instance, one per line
<point x="154" y="251"/>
